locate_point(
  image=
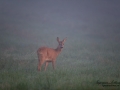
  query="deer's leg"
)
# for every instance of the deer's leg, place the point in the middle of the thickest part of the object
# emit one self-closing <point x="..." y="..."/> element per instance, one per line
<point x="46" y="64"/>
<point x="40" y="65"/>
<point x="53" y="64"/>
<point x="41" y="61"/>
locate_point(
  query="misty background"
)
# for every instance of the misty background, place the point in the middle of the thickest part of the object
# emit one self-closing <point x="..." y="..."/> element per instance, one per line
<point x="39" y="22"/>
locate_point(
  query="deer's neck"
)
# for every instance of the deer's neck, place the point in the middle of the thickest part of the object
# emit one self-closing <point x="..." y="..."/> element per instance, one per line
<point x="58" y="50"/>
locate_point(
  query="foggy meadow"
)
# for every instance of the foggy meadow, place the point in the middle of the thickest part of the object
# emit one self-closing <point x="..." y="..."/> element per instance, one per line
<point x="91" y="51"/>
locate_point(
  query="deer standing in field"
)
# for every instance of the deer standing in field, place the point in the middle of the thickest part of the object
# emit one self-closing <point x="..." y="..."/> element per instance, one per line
<point x="47" y="55"/>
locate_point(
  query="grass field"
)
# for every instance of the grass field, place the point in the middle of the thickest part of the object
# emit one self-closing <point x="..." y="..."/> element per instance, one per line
<point x="79" y="67"/>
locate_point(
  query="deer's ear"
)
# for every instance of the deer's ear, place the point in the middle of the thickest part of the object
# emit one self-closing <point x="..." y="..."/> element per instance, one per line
<point x="58" y="39"/>
<point x="64" y="39"/>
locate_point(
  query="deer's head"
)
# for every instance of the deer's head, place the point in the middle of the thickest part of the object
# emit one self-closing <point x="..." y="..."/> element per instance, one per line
<point x="61" y="43"/>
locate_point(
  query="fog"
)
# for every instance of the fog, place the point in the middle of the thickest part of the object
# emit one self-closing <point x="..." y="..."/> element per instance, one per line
<point x="36" y="21"/>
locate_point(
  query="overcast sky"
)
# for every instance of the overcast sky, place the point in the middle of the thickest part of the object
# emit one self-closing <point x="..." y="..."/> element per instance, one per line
<point x="76" y="15"/>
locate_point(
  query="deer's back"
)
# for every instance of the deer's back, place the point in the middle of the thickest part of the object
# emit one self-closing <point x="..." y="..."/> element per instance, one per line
<point x="47" y="53"/>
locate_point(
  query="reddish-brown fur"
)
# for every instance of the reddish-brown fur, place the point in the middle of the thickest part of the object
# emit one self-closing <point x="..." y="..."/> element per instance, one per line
<point x="47" y="55"/>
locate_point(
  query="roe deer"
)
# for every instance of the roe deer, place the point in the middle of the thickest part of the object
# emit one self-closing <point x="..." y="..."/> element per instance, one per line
<point x="47" y="55"/>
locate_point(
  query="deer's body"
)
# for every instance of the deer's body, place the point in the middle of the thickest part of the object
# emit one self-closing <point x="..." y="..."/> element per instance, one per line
<point x="47" y="55"/>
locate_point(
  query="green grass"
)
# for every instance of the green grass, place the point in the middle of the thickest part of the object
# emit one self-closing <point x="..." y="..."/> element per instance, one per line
<point x="78" y="67"/>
